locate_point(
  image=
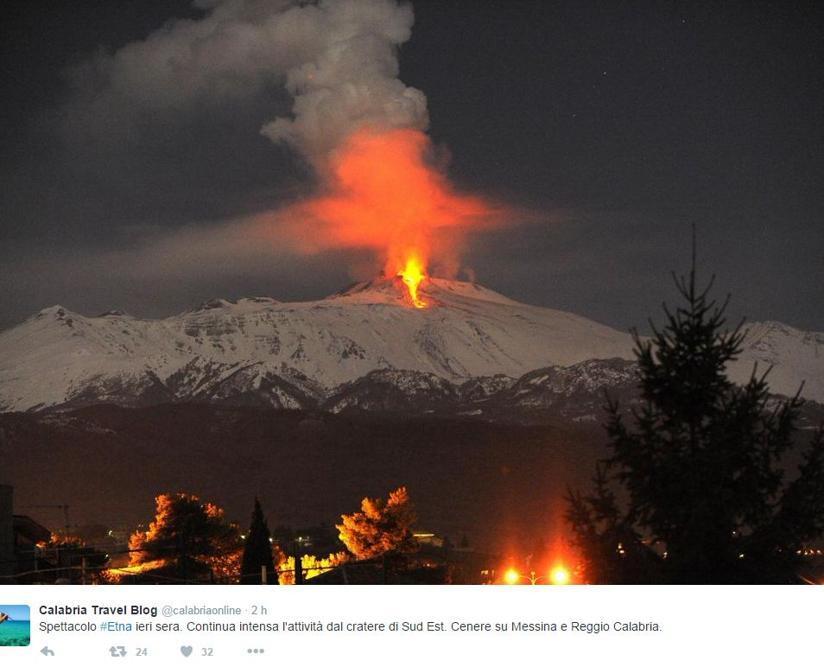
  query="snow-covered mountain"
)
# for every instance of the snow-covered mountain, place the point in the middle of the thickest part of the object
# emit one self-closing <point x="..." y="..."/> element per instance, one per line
<point x="793" y="356"/>
<point x="468" y="344"/>
<point x="556" y="392"/>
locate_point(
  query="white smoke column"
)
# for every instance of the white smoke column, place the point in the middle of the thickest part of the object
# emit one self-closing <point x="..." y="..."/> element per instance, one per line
<point x="336" y="58"/>
<point x="353" y="81"/>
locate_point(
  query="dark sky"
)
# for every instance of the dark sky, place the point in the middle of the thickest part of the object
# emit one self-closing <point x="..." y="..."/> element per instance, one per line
<point x="619" y="125"/>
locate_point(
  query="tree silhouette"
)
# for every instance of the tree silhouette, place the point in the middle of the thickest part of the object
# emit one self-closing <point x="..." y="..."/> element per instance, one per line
<point x="257" y="551"/>
<point x="381" y="527"/>
<point x="188" y="538"/>
<point x="695" y="491"/>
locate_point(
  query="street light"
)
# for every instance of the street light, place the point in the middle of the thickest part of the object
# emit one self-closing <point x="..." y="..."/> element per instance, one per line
<point x="558" y="576"/>
<point x="512" y="576"/>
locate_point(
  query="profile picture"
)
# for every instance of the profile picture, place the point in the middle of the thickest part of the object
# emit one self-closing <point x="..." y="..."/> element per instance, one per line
<point x="15" y="626"/>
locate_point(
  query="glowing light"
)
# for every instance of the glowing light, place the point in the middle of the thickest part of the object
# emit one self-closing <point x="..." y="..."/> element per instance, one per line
<point x="512" y="576"/>
<point x="312" y="566"/>
<point x="559" y="576"/>
<point x="412" y="276"/>
<point x="384" y="190"/>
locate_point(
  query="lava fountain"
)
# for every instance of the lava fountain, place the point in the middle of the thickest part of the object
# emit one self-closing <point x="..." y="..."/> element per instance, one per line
<point x="412" y="276"/>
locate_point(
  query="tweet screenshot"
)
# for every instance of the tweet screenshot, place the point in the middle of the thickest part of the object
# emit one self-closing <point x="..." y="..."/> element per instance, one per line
<point x="411" y="332"/>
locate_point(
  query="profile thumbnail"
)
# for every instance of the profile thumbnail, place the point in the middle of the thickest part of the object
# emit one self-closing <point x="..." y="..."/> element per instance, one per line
<point x="15" y="625"/>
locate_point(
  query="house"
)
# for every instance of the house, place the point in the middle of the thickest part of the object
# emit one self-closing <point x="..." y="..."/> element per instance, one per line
<point x="19" y="536"/>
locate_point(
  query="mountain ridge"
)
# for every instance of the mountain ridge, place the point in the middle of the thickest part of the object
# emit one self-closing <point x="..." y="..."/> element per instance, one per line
<point x="261" y="351"/>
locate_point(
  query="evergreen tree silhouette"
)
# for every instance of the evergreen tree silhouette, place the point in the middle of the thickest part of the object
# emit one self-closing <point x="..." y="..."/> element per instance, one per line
<point x="696" y="490"/>
<point x="188" y="537"/>
<point x="257" y="551"/>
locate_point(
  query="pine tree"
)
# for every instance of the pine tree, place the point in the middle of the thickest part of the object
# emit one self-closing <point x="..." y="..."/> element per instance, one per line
<point x="257" y="551"/>
<point x="695" y="490"/>
<point x="381" y="527"/>
<point x="188" y="537"/>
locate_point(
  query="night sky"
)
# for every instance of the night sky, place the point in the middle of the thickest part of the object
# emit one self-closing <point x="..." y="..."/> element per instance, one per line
<point x="611" y="127"/>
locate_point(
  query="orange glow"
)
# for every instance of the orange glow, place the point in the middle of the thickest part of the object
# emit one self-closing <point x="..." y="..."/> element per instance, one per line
<point x="412" y="276"/>
<point x="382" y="192"/>
<point x="512" y="576"/>
<point x="559" y="576"/>
<point x="312" y="566"/>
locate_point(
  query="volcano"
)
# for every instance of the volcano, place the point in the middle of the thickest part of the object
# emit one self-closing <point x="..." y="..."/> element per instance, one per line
<point x="357" y="348"/>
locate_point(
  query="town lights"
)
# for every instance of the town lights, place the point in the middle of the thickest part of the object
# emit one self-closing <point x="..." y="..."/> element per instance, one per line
<point x="512" y="576"/>
<point x="559" y="576"/>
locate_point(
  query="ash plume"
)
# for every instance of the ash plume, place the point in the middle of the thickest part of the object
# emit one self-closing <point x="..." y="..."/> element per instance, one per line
<point x="352" y="81"/>
<point x="327" y="72"/>
<point x="336" y="59"/>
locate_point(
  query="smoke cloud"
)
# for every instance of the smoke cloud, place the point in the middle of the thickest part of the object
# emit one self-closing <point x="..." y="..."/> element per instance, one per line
<point x="336" y="58"/>
<point x="351" y="118"/>
<point x="352" y="82"/>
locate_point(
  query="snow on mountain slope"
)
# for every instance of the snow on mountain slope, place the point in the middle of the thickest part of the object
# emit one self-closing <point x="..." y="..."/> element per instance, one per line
<point x="794" y="356"/>
<point x="59" y="357"/>
<point x="387" y="391"/>
<point x="291" y="355"/>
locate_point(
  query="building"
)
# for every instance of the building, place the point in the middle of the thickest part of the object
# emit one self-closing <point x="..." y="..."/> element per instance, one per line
<point x="19" y="536"/>
<point x="27" y="535"/>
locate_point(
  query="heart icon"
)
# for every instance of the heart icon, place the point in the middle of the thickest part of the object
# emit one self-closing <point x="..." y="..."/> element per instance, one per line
<point x="186" y="651"/>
